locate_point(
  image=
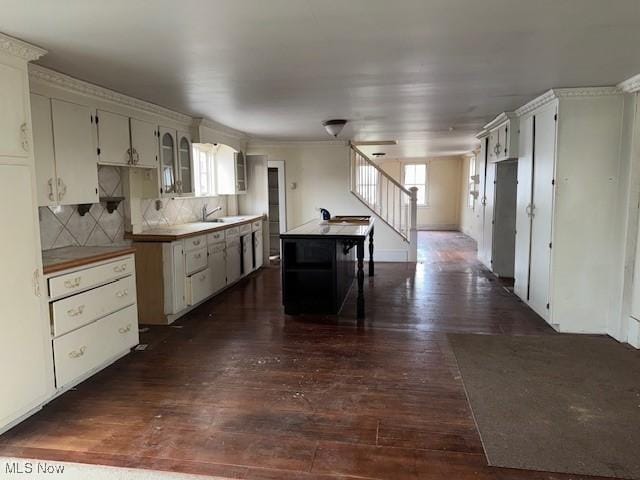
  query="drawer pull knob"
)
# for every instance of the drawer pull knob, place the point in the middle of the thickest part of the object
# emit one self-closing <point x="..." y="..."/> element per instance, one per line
<point x="124" y="330"/>
<point x="78" y="353"/>
<point x="120" y="268"/>
<point x="74" y="312"/>
<point x="122" y="293"/>
<point x="75" y="283"/>
<point x="196" y="242"/>
<point x="197" y="255"/>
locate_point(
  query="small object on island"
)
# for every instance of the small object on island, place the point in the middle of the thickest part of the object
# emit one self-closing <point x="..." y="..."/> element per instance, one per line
<point x="325" y="214"/>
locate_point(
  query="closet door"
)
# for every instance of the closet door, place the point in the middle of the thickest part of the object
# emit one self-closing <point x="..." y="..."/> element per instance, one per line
<point x="542" y="211"/>
<point x="523" y="206"/>
<point x="482" y="173"/>
<point x="46" y="183"/>
<point x="487" y="230"/>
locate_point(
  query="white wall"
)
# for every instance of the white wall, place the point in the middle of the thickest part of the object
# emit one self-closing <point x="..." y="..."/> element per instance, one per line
<point x="470" y="217"/>
<point x="443" y="190"/>
<point x="320" y="171"/>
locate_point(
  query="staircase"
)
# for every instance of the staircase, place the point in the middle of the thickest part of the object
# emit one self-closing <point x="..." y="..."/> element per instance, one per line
<point x="386" y="197"/>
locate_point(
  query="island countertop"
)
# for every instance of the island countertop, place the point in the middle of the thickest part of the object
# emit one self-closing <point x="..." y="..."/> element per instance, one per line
<point x="171" y="233"/>
<point x="322" y="228"/>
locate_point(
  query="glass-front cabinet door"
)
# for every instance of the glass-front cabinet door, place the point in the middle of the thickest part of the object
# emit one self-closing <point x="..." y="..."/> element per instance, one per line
<point x="241" y="173"/>
<point x="168" y="161"/>
<point x="185" y="165"/>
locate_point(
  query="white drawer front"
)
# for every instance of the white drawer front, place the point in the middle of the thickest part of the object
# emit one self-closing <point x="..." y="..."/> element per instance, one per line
<point x="215" y="237"/>
<point x="194" y="243"/>
<point x="77" y="310"/>
<point x="219" y="247"/>
<point x="257" y="225"/>
<point x="80" y="351"/>
<point x="195" y="260"/>
<point x="199" y="286"/>
<point x="244" y="229"/>
<point x="83" y="279"/>
<point x="232" y="232"/>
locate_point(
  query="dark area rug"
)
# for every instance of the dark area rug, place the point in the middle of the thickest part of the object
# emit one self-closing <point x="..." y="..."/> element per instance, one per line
<point x="559" y="403"/>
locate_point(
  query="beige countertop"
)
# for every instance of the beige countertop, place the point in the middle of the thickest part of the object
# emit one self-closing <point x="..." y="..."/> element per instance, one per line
<point x="171" y="233"/>
<point x="69" y="257"/>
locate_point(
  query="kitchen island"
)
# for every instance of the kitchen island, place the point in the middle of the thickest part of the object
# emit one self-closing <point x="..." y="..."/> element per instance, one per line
<point x="319" y="265"/>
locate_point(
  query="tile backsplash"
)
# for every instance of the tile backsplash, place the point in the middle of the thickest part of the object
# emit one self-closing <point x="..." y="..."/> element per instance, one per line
<point x="62" y="226"/>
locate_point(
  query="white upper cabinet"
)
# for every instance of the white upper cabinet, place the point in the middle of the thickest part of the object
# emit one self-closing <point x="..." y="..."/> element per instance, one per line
<point x="46" y="178"/>
<point x="503" y="137"/>
<point x="185" y="164"/>
<point x="144" y="143"/>
<point x="75" y="153"/>
<point x="168" y="154"/>
<point x="14" y="127"/>
<point x="231" y="170"/>
<point x="114" y="142"/>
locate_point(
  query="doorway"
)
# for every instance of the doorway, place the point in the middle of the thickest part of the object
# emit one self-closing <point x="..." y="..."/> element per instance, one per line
<point x="504" y="218"/>
<point x="277" y="205"/>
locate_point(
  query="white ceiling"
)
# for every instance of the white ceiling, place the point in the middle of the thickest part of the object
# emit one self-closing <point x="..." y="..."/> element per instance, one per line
<point x="397" y="69"/>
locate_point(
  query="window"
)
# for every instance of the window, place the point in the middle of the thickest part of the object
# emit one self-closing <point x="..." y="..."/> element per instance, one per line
<point x="471" y="197"/>
<point x="416" y="176"/>
<point x="368" y="183"/>
<point x="203" y="169"/>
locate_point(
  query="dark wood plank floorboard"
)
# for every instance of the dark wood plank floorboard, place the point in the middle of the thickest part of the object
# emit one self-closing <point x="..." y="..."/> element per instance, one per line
<point x="240" y="390"/>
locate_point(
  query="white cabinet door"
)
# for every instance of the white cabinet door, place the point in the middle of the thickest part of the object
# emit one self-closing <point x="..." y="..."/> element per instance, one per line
<point x="542" y="210"/>
<point x="258" y="248"/>
<point x="493" y="143"/>
<point x="75" y="153"/>
<point x="114" y="143"/>
<point x="233" y="261"/>
<point x="185" y="163"/>
<point x="218" y="266"/>
<point x="169" y="179"/>
<point x="14" y="129"/>
<point x="523" y="205"/>
<point x="144" y="143"/>
<point x="487" y="229"/>
<point x="46" y="184"/>
<point x="25" y="349"/>
<point x="241" y="172"/>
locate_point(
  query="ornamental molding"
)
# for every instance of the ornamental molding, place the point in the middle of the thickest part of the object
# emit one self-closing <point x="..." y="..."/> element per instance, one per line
<point x="631" y="85"/>
<point x="558" y="93"/>
<point x="266" y="143"/>
<point x="73" y="85"/>
<point x="20" y="49"/>
<point x="499" y="120"/>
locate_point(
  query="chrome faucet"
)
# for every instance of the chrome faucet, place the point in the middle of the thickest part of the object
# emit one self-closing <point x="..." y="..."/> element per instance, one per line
<point x="205" y="214"/>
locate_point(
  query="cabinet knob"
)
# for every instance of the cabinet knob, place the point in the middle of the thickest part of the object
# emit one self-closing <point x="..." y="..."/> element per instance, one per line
<point x="78" y="353"/>
<point x="124" y="330"/>
<point x="122" y="293"/>
<point x="120" y="268"/>
<point x="74" y="312"/>
<point x="24" y="137"/>
<point x="75" y="283"/>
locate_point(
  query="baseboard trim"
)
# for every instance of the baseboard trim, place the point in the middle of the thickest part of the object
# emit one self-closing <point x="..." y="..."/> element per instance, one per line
<point x="444" y="227"/>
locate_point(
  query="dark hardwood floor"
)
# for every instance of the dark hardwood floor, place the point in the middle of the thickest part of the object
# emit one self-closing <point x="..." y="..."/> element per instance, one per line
<point x="238" y="389"/>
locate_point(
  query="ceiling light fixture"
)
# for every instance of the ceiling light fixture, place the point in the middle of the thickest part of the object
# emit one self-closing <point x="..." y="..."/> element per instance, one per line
<point x="334" y="127"/>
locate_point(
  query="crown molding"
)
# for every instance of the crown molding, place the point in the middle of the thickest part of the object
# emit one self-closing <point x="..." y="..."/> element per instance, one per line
<point x="499" y="120"/>
<point x="219" y="128"/>
<point x="630" y="85"/>
<point x="557" y="93"/>
<point x="20" y="49"/>
<point x="70" y="84"/>
<point x="264" y="143"/>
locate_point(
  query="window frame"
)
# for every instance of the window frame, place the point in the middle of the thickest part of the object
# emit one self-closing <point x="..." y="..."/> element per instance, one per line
<point x="210" y="151"/>
<point x="426" y="181"/>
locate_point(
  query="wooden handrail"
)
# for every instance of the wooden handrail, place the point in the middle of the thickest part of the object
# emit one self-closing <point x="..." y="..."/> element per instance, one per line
<point x="380" y="171"/>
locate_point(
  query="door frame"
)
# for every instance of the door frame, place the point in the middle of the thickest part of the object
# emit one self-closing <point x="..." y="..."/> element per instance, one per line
<point x="282" y="192"/>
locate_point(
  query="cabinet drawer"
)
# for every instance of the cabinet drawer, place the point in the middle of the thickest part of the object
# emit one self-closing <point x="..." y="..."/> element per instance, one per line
<point x="217" y="248"/>
<point x="87" y="348"/>
<point x="89" y="277"/>
<point x="215" y="237"/>
<point x="244" y="229"/>
<point x="232" y="232"/>
<point x="194" y="243"/>
<point x="198" y="286"/>
<point x="195" y="260"/>
<point x="256" y="225"/>
<point x="77" y="310"/>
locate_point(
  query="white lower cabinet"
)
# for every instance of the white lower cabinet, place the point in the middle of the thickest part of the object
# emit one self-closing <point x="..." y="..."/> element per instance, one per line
<point x="218" y="266"/>
<point x="199" y="286"/>
<point x="247" y="253"/>
<point x="234" y="266"/>
<point x="258" y="253"/>
<point x="84" y="350"/>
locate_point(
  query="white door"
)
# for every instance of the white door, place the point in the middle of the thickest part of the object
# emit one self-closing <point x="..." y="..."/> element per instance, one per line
<point x="114" y="142"/>
<point x="218" y="266"/>
<point x="487" y="230"/>
<point x="542" y="210"/>
<point x="178" y="277"/>
<point x="523" y="205"/>
<point x="25" y="350"/>
<point x="46" y="184"/>
<point x="14" y="132"/>
<point x="75" y="153"/>
<point x="257" y="248"/>
<point x="233" y="261"/>
<point x="247" y="254"/>
<point x="144" y="143"/>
